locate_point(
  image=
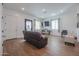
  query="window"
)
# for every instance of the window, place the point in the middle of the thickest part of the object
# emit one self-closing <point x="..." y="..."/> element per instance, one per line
<point x="55" y="24"/>
<point x="28" y="25"/>
<point x="46" y="23"/>
<point x="37" y="25"/>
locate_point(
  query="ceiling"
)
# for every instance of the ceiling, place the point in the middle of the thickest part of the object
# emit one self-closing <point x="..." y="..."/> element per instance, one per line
<point x="41" y="10"/>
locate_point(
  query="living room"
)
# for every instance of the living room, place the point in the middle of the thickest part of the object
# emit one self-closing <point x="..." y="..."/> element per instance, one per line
<point x="21" y="20"/>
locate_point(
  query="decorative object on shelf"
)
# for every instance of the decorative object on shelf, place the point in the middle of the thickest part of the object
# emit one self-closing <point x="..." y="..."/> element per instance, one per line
<point x="46" y="31"/>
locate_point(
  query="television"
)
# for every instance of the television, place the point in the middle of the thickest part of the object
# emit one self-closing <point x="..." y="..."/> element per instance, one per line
<point x="46" y="23"/>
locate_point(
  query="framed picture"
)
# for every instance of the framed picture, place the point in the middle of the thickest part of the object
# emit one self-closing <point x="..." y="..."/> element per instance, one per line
<point x="46" y="23"/>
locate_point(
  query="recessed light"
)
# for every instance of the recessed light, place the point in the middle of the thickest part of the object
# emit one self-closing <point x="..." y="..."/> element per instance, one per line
<point x="22" y="9"/>
<point x="44" y="10"/>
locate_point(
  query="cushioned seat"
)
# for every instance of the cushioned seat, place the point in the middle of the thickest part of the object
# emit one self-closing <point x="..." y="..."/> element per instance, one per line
<point x="70" y="39"/>
<point x="35" y="38"/>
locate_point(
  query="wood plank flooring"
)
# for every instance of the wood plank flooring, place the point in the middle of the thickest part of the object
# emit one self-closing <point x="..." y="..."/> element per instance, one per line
<point x="55" y="47"/>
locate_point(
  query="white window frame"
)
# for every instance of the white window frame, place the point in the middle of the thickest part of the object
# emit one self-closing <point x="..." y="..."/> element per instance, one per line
<point x="54" y="24"/>
<point x="37" y="25"/>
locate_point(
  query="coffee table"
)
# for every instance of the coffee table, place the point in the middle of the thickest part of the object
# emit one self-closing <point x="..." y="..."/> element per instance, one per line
<point x="70" y="40"/>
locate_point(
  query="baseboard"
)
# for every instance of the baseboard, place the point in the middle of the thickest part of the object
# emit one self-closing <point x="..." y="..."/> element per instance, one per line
<point x="13" y="38"/>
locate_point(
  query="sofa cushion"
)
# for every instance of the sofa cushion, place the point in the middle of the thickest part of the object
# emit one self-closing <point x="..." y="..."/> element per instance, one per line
<point x="35" y="39"/>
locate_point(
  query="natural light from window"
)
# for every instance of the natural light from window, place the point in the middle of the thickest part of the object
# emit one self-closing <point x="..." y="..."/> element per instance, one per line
<point x="55" y="24"/>
<point x="37" y="25"/>
<point x="28" y="25"/>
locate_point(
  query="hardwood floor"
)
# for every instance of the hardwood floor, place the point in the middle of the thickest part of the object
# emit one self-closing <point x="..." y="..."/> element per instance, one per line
<point x="55" y="47"/>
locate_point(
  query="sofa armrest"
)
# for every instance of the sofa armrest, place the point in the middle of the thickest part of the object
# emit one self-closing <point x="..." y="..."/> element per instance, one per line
<point x="44" y="40"/>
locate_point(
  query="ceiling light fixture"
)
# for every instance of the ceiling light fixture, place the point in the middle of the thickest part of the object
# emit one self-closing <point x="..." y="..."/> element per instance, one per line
<point x="44" y="10"/>
<point x="22" y="9"/>
<point x="61" y="11"/>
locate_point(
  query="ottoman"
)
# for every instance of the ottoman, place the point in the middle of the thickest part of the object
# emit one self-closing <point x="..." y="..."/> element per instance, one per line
<point x="70" y="40"/>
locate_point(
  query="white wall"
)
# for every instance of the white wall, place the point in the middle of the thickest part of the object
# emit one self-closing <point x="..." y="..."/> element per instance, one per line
<point x="68" y="21"/>
<point x="0" y="30"/>
<point x="15" y="23"/>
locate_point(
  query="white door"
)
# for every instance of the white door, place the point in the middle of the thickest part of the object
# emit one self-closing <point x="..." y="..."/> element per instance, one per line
<point x="1" y="41"/>
<point x="10" y="27"/>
